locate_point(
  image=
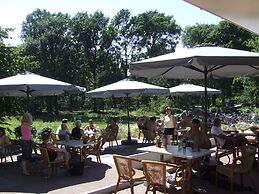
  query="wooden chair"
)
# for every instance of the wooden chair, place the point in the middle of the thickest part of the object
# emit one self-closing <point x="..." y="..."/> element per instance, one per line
<point x="243" y="168"/>
<point x="155" y="173"/>
<point x="7" y="152"/>
<point x="95" y="150"/>
<point x="50" y="164"/>
<point x="126" y="172"/>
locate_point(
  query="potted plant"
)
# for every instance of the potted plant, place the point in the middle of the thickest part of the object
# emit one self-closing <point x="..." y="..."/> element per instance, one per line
<point x="158" y="141"/>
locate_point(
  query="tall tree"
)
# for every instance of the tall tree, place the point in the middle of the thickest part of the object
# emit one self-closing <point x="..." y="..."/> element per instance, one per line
<point x="124" y="41"/>
<point x="92" y="39"/>
<point x="157" y="33"/>
<point x="46" y="37"/>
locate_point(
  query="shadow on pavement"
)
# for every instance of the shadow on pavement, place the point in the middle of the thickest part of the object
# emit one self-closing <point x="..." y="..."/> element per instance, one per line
<point x="11" y="179"/>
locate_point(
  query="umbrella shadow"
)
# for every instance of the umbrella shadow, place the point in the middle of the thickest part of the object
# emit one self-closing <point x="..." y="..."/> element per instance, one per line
<point x="11" y="179"/>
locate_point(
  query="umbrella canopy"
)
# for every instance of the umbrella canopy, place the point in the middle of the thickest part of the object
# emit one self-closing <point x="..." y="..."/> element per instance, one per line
<point x="35" y="85"/>
<point x="215" y="62"/>
<point x="240" y="12"/>
<point x="127" y="88"/>
<point x="191" y="90"/>
<point x="200" y="63"/>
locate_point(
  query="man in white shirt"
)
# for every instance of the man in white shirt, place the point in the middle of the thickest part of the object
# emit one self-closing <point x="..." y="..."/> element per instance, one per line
<point x="223" y="139"/>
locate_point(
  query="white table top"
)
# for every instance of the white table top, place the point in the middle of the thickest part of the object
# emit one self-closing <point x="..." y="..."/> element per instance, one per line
<point x="74" y="143"/>
<point x="174" y="151"/>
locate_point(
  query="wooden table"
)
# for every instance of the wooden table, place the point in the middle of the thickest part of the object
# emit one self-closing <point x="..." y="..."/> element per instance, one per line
<point x="75" y="144"/>
<point x="181" y="153"/>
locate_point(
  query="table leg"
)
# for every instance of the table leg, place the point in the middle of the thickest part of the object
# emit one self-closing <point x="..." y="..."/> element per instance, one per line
<point x="81" y="155"/>
<point x="187" y="185"/>
<point x="161" y="157"/>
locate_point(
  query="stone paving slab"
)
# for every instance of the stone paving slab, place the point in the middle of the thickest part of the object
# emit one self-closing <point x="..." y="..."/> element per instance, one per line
<point x="98" y="179"/>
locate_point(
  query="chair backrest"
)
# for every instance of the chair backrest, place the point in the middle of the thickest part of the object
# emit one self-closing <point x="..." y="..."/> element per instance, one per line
<point x="123" y="166"/>
<point x="155" y="173"/>
<point x="248" y="156"/>
<point x="60" y="137"/>
<point x="216" y="141"/>
<point x="44" y="154"/>
<point x="115" y="133"/>
<point x="98" y="145"/>
<point x="54" y="137"/>
<point x="147" y="135"/>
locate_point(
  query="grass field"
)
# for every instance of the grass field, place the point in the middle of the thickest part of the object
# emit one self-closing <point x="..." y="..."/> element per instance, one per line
<point x="53" y="122"/>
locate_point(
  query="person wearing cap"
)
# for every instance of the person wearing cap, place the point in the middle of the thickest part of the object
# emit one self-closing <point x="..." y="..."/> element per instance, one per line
<point x="169" y="123"/>
<point x="77" y="132"/>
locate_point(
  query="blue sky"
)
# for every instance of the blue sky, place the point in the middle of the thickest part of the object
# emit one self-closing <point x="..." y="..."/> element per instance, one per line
<point x="13" y="12"/>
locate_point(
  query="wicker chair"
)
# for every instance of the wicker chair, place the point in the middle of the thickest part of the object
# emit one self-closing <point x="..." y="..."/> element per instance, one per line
<point x="156" y="176"/>
<point x="221" y="152"/>
<point x="50" y="164"/>
<point x="243" y="168"/>
<point x="126" y="172"/>
<point x="95" y="150"/>
<point x="6" y="153"/>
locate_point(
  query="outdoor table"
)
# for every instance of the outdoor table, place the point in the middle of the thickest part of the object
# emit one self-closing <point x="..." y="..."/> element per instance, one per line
<point x="75" y="144"/>
<point x="247" y="132"/>
<point x="176" y="151"/>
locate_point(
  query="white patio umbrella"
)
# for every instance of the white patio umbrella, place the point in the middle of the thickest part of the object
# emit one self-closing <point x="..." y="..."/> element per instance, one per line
<point x="127" y="88"/>
<point x="240" y="12"/>
<point x="199" y="63"/>
<point x="30" y="84"/>
<point x="191" y="89"/>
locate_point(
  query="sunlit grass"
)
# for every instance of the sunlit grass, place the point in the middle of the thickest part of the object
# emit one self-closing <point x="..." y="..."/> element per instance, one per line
<point x="39" y="124"/>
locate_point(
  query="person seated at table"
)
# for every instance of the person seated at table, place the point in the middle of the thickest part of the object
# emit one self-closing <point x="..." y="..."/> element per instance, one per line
<point x="225" y="141"/>
<point x="150" y="129"/>
<point x="63" y="121"/>
<point x="140" y="124"/>
<point x="4" y="141"/>
<point x="77" y="132"/>
<point x="185" y="120"/>
<point x="63" y="133"/>
<point x="200" y="139"/>
<point x="90" y="130"/>
<point x="110" y="131"/>
<point x="54" y="152"/>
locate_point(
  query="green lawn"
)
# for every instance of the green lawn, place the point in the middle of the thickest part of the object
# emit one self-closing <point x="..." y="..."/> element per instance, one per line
<point x="39" y="124"/>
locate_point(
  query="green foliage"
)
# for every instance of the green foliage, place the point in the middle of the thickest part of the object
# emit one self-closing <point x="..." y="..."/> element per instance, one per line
<point x="156" y="32"/>
<point x="224" y="34"/>
<point x="198" y="34"/>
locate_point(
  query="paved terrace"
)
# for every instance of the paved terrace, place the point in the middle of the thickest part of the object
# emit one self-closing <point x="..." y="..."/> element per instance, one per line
<point x="97" y="178"/>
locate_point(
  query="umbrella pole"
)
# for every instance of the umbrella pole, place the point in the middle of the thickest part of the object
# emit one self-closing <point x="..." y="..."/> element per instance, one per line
<point x="27" y="99"/>
<point x="205" y="98"/>
<point x="129" y="141"/>
<point x="129" y="134"/>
